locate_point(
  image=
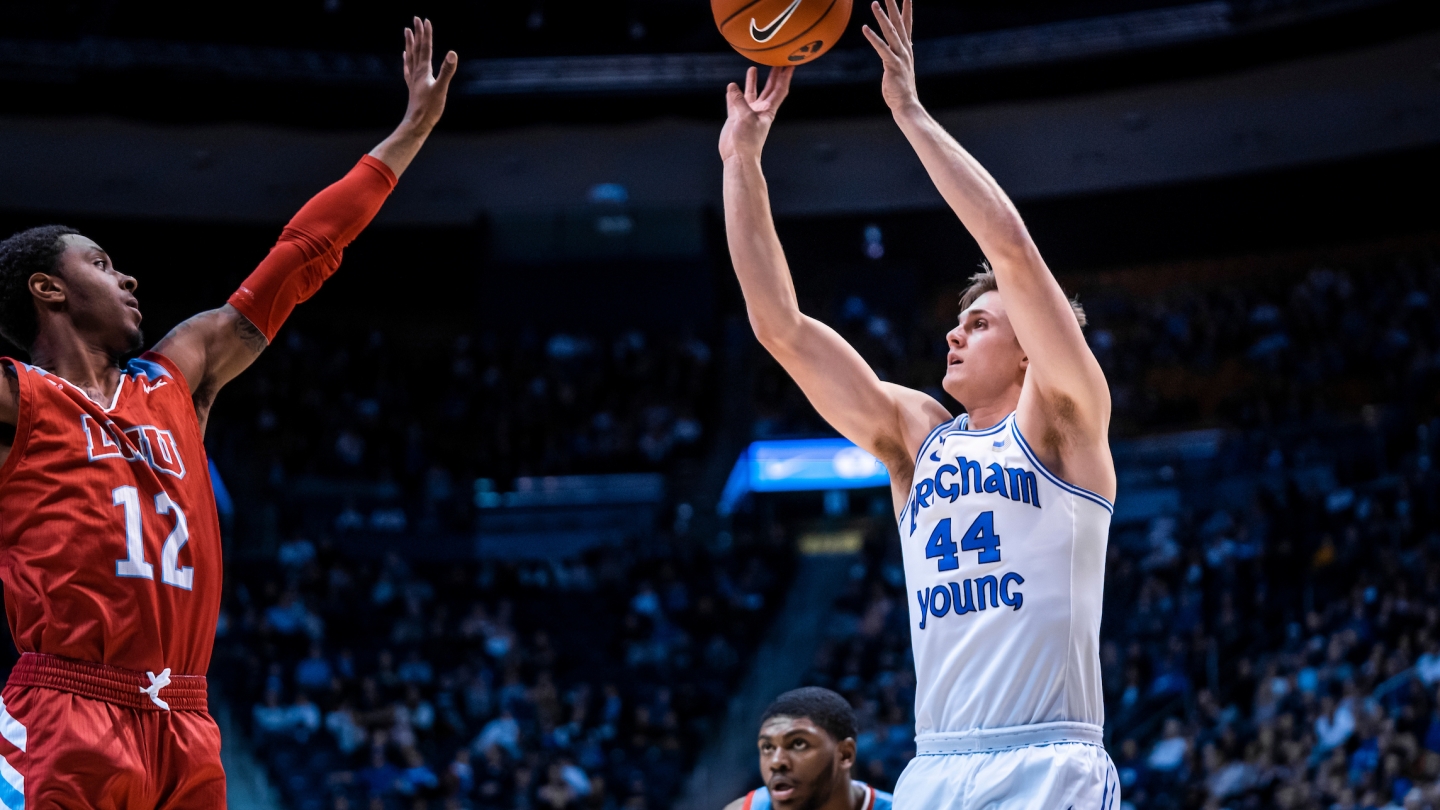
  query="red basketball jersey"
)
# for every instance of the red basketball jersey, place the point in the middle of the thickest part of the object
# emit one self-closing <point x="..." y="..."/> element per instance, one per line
<point x="109" y="540"/>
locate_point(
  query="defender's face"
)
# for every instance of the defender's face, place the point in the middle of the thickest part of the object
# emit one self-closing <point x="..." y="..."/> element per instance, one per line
<point x="985" y="357"/>
<point x="799" y="761"/>
<point x="99" y="299"/>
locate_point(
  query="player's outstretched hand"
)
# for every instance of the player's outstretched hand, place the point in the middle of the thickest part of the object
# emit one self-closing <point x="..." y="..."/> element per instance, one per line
<point x="751" y="113"/>
<point x="896" y="49"/>
<point x="427" y="90"/>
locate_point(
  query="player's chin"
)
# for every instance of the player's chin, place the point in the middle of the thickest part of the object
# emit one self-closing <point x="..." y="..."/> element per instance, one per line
<point x="134" y="340"/>
<point x="955" y="379"/>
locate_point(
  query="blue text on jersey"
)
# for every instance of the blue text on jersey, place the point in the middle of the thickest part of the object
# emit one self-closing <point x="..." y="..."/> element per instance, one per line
<point x="954" y="481"/>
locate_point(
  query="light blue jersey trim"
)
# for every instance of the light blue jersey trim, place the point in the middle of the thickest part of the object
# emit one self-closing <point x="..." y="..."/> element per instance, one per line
<point x="140" y="367"/>
<point x="875" y="799"/>
<point x="1054" y="479"/>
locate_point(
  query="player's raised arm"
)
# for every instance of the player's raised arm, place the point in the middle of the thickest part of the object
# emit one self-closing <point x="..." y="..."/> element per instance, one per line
<point x="886" y="420"/>
<point x="1062" y="370"/>
<point x="215" y="346"/>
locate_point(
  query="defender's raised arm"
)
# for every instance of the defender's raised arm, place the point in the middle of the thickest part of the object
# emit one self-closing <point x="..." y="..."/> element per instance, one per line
<point x="884" y="419"/>
<point x="1066" y="401"/>
<point x="213" y="347"/>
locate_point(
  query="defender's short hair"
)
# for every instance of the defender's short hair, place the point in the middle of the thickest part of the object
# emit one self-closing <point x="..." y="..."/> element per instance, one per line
<point x="825" y="708"/>
<point x="24" y="254"/>
<point x="984" y="281"/>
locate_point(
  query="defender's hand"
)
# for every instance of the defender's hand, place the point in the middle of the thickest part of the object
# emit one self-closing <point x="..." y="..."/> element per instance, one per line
<point x="427" y="90"/>
<point x="897" y="52"/>
<point x="752" y="113"/>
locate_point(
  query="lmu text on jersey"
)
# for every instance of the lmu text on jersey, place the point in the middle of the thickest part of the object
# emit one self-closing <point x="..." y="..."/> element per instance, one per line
<point x="155" y="446"/>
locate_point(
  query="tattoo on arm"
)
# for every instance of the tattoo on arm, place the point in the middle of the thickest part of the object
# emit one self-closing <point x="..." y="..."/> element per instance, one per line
<point x="252" y="337"/>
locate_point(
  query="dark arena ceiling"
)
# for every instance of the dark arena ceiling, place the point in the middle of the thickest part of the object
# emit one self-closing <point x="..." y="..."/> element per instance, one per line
<point x="333" y="63"/>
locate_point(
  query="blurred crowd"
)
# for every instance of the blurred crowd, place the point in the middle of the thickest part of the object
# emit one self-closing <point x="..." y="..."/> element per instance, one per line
<point x="397" y="435"/>
<point x="865" y="656"/>
<point x="582" y="684"/>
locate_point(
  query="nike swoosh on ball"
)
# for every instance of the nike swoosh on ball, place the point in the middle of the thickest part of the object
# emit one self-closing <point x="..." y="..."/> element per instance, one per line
<point x="764" y="34"/>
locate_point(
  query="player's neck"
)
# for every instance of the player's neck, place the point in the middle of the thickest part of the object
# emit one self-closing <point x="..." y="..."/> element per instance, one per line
<point x="65" y="353"/>
<point x="847" y="795"/>
<point x="989" y="414"/>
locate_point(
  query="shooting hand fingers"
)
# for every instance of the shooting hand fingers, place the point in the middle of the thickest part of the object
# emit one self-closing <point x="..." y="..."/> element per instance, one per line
<point x="892" y="37"/>
<point x="896" y="18"/>
<point x="886" y="55"/>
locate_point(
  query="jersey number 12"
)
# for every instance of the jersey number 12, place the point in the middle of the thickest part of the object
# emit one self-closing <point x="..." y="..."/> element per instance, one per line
<point x="979" y="537"/>
<point x="134" y="564"/>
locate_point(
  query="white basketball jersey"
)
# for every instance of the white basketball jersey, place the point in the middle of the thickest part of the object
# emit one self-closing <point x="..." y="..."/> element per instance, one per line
<point x="1005" y="568"/>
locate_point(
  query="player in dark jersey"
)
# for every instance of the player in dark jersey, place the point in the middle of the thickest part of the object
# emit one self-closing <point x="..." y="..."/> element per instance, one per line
<point x="109" y="543"/>
<point x="807" y="748"/>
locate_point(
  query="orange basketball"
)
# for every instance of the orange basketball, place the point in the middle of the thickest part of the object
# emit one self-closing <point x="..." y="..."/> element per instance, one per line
<point x="781" y="32"/>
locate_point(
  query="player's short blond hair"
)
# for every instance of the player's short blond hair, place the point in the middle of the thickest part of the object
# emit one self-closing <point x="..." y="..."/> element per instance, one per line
<point x="984" y="281"/>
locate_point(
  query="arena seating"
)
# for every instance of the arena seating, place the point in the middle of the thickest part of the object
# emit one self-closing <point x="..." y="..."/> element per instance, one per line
<point x="587" y="682"/>
<point x="345" y="431"/>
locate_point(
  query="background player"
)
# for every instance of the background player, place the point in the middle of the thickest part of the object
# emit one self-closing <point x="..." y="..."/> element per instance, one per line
<point x="1008" y="701"/>
<point x="109" y="542"/>
<point x="807" y="749"/>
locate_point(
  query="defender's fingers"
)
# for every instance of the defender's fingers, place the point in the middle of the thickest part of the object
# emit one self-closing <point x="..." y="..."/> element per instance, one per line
<point x="447" y="69"/>
<point x="909" y="15"/>
<point x="427" y="48"/>
<point x="751" y="77"/>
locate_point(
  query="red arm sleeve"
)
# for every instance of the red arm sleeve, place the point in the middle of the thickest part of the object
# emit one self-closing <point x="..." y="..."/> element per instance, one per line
<point x="310" y="247"/>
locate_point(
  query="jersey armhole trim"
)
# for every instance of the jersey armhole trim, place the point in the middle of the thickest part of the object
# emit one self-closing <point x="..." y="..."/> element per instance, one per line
<point x="930" y="437"/>
<point x="24" y="417"/>
<point x="1097" y="499"/>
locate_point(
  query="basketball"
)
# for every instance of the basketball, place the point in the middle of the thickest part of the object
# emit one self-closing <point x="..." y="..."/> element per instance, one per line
<point x="781" y="32"/>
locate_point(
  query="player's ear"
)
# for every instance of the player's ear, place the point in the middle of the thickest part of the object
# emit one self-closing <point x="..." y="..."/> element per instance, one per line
<point x="846" y="752"/>
<point x="47" y="288"/>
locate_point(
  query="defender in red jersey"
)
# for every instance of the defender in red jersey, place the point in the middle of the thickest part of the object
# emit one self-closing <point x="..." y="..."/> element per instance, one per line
<point x="109" y="542"/>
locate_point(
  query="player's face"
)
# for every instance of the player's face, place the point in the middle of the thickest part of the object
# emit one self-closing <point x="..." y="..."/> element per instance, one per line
<point x="99" y="299"/>
<point x="985" y="358"/>
<point x="802" y="765"/>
